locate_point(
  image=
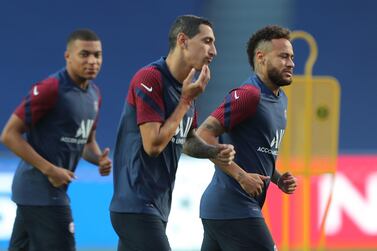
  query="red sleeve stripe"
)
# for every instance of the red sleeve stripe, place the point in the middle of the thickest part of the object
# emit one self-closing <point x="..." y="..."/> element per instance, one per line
<point x="239" y="104"/>
<point x="141" y="94"/>
<point x="40" y="100"/>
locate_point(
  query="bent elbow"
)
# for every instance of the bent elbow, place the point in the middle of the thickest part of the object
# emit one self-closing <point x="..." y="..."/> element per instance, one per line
<point x="6" y="140"/>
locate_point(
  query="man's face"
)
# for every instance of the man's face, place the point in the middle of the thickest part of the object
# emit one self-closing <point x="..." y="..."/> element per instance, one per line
<point x="84" y="59"/>
<point x="200" y="49"/>
<point x="280" y="62"/>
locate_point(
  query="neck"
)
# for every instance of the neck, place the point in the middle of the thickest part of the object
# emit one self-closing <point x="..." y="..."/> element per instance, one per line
<point x="270" y="85"/>
<point x="177" y="67"/>
<point x="79" y="81"/>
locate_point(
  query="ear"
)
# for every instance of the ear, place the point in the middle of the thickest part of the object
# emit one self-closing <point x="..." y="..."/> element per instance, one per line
<point x="66" y="55"/>
<point x="260" y="57"/>
<point x="182" y="40"/>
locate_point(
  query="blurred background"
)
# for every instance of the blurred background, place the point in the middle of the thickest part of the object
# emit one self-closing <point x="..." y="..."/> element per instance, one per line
<point x="134" y="33"/>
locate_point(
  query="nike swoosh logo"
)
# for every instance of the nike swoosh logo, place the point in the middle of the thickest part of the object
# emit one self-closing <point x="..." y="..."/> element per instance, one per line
<point x="235" y="95"/>
<point x="35" y="91"/>
<point x="150" y="89"/>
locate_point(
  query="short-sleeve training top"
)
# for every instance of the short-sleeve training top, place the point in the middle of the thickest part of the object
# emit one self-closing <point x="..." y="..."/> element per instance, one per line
<point x="255" y="120"/>
<point x="59" y="116"/>
<point x="144" y="184"/>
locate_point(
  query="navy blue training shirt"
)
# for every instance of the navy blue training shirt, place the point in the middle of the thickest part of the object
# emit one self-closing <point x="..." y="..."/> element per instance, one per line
<point x="59" y="116"/>
<point x="144" y="184"/>
<point x="254" y="120"/>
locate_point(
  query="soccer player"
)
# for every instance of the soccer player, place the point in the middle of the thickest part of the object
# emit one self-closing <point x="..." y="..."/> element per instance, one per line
<point x="157" y="123"/>
<point x="59" y="117"/>
<point x="253" y="119"/>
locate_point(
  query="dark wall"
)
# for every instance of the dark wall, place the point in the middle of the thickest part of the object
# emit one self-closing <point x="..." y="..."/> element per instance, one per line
<point x="33" y="38"/>
<point x="346" y="36"/>
<point x="33" y="35"/>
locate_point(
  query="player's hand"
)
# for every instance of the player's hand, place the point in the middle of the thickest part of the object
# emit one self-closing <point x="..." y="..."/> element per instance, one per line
<point x="104" y="163"/>
<point x="252" y="183"/>
<point x="192" y="90"/>
<point x="59" y="176"/>
<point x="226" y="154"/>
<point x="287" y="183"/>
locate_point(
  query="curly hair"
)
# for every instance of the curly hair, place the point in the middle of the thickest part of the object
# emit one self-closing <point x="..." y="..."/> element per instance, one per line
<point x="265" y="34"/>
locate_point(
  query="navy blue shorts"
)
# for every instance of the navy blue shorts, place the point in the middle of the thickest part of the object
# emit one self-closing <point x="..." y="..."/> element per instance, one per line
<point x="43" y="228"/>
<point x="250" y="234"/>
<point x="140" y="232"/>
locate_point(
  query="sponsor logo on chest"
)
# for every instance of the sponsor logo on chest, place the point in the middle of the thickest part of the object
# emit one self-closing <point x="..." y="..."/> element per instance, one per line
<point x="274" y="144"/>
<point x="182" y="131"/>
<point x="82" y="133"/>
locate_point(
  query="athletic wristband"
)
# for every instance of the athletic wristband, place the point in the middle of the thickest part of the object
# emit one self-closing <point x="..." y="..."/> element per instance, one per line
<point x="186" y="100"/>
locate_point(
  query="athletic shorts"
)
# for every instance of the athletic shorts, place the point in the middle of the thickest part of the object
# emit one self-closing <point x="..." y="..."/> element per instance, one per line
<point x="140" y="232"/>
<point x="43" y="228"/>
<point x="250" y="234"/>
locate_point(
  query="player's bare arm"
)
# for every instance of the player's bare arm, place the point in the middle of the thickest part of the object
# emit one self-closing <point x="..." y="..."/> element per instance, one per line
<point x="155" y="135"/>
<point x="286" y="181"/>
<point x="276" y="176"/>
<point x="93" y="154"/>
<point x="198" y="148"/>
<point x="12" y="138"/>
<point x="252" y="183"/>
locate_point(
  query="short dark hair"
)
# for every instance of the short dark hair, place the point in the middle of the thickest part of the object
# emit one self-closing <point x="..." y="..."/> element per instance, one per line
<point x="187" y="24"/>
<point x="265" y="34"/>
<point x="82" y="34"/>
